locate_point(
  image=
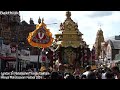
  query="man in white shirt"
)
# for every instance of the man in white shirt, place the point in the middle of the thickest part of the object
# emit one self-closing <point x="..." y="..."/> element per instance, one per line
<point x="104" y="76"/>
<point x="88" y="68"/>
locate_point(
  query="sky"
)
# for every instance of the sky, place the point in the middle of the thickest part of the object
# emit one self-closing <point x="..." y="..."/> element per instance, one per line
<point x="89" y="22"/>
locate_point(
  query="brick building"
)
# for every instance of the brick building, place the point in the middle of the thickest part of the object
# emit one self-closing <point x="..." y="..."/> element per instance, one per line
<point x="14" y="31"/>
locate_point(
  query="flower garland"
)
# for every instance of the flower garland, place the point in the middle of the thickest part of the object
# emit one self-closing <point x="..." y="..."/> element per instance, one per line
<point x="55" y="48"/>
<point x="53" y="44"/>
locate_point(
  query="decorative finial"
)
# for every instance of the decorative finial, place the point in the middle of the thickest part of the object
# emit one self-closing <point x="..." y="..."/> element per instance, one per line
<point x="42" y="20"/>
<point x="68" y="14"/>
<point x="100" y="26"/>
<point x="39" y="20"/>
<point x="31" y="21"/>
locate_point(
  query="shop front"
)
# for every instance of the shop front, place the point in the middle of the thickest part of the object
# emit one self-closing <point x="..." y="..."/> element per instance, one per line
<point x="7" y="63"/>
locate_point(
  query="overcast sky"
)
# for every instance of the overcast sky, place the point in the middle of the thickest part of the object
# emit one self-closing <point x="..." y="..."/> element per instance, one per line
<point x="88" y="22"/>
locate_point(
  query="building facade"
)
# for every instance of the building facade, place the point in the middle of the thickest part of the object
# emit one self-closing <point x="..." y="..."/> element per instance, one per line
<point x="113" y="48"/>
<point x="14" y="31"/>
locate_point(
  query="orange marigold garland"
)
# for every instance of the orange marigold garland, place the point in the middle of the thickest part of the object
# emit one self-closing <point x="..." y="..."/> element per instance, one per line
<point x="41" y="37"/>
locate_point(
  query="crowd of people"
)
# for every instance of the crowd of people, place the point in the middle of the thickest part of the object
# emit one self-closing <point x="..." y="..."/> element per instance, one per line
<point x="89" y="73"/>
<point x="100" y="73"/>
